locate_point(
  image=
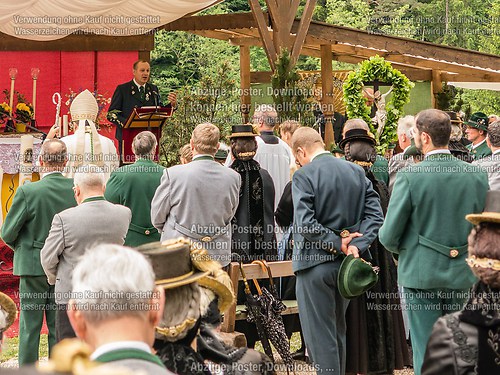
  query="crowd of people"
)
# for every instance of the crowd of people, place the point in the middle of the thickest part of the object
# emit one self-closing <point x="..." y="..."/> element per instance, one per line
<point x="132" y="260"/>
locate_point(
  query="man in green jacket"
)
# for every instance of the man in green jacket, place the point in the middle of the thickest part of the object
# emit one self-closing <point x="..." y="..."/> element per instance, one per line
<point x="134" y="187"/>
<point x="25" y="230"/>
<point x="425" y="224"/>
<point x="477" y="130"/>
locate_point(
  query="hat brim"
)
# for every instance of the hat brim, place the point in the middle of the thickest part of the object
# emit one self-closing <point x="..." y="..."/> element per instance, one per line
<point x="9" y="306"/>
<point x="485" y="217"/>
<point x="226" y="297"/>
<point x="343" y="279"/>
<point x="180" y="281"/>
<point x="365" y="138"/>
<point x="234" y="135"/>
<point x="476" y="126"/>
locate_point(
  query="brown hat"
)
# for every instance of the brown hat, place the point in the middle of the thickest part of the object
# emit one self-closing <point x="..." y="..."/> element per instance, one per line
<point x="176" y="263"/>
<point x="454" y="117"/>
<point x="491" y="212"/>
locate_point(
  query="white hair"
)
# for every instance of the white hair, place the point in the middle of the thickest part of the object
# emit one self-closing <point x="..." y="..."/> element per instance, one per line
<point x="89" y="176"/>
<point x="112" y="281"/>
<point x="405" y="124"/>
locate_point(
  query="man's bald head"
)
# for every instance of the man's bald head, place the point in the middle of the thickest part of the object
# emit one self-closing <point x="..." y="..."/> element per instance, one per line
<point x="308" y="139"/>
<point x="54" y="155"/>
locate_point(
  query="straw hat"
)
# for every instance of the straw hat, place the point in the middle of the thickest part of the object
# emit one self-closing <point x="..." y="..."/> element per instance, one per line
<point x="491" y="212"/>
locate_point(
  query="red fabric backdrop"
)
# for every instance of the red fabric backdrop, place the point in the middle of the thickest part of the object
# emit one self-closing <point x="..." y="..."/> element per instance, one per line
<point x="61" y="71"/>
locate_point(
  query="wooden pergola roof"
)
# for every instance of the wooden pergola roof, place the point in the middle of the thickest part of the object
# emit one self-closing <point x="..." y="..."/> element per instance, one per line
<point x="419" y="61"/>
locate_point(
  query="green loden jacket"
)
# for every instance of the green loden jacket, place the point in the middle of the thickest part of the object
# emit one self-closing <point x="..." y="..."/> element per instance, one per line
<point x="425" y="222"/>
<point x="134" y="187"/>
<point x="479" y="152"/>
<point x="28" y="221"/>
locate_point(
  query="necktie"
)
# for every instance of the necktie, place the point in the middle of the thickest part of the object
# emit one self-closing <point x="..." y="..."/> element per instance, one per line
<point x="141" y="92"/>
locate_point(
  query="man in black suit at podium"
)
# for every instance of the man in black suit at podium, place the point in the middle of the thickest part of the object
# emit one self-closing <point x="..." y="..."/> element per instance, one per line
<point x="136" y="93"/>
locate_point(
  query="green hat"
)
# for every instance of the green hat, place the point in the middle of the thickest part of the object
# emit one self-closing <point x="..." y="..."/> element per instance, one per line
<point x="336" y="150"/>
<point x="356" y="276"/>
<point x="478" y="120"/>
<point x="412" y="151"/>
<point x="221" y="154"/>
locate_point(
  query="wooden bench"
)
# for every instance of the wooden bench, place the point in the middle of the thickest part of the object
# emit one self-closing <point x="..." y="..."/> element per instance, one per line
<point x="254" y="271"/>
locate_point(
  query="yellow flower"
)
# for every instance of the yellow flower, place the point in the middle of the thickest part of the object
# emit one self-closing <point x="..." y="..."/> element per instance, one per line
<point x="4" y="107"/>
<point x="23" y="107"/>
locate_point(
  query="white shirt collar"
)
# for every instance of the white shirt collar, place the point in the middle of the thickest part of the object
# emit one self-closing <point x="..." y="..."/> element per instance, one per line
<point x="319" y="153"/>
<point x="112" y="346"/>
<point x="497" y="152"/>
<point x="139" y="85"/>
<point x="438" y="151"/>
<point x="479" y="144"/>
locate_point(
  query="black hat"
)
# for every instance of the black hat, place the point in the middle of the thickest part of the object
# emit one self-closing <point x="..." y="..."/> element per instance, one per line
<point x="221" y="154"/>
<point x="356" y="135"/>
<point x="243" y="131"/>
<point x="454" y="117"/>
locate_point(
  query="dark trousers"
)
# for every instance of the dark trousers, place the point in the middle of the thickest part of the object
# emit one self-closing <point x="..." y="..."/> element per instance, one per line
<point x="322" y="315"/>
<point x="63" y="326"/>
<point x="36" y="300"/>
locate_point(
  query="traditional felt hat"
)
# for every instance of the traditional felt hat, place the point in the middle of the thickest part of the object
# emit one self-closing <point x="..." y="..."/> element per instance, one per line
<point x="491" y="212"/>
<point x="221" y="154"/>
<point x="8" y="306"/>
<point x="246" y="130"/>
<point x="84" y="107"/>
<point x="412" y="151"/>
<point x="336" y="150"/>
<point x="356" y="276"/>
<point x="454" y="117"/>
<point x="479" y="121"/>
<point x="176" y="263"/>
<point x="356" y="135"/>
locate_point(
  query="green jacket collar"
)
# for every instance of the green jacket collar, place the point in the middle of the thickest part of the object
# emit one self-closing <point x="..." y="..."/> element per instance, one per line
<point x="93" y="199"/>
<point x="204" y="157"/>
<point x="122" y="354"/>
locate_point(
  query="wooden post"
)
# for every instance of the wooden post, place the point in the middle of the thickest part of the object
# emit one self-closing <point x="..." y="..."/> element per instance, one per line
<point x="436" y="86"/>
<point x="245" y="97"/>
<point x="327" y="93"/>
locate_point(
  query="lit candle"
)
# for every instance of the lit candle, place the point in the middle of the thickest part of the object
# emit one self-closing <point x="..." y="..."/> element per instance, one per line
<point x="34" y="74"/>
<point x="65" y="125"/>
<point x="13" y="75"/>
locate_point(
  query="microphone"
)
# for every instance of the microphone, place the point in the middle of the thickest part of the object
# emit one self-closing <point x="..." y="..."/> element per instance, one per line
<point x="155" y="96"/>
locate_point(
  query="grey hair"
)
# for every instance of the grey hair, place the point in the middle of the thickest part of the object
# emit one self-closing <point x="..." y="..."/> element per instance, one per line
<point x="89" y="176"/>
<point x="144" y="144"/>
<point x="181" y="303"/>
<point x="113" y="281"/>
<point x="494" y="133"/>
<point x="268" y="114"/>
<point x="405" y="124"/>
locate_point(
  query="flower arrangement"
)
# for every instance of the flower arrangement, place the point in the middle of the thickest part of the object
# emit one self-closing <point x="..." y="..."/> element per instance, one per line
<point x="102" y="103"/>
<point x="376" y="68"/>
<point x="22" y="112"/>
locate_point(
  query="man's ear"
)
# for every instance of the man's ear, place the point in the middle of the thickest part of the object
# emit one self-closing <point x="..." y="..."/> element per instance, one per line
<point x="158" y="305"/>
<point x="77" y="321"/>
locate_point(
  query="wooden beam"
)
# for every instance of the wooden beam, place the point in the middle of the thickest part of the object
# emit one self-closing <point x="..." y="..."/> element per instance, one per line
<point x="145" y="55"/>
<point x="245" y="98"/>
<point x="437" y="84"/>
<point x="447" y="77"/>
<point x="266" y="39"/>
<point x="327" y="90"/>
<point x="74" y="43"/>
<point x="212" y="22"/>
<point x="402" y="45"/>
<point x="305" y="21"/>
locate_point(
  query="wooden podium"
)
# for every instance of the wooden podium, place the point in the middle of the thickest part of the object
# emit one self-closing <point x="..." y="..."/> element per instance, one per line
<point x="144" y="118"/>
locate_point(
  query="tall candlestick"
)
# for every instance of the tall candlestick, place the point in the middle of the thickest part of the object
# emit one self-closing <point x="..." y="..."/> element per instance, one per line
<point x="65" y="125"/>
<point x="13" y="75"/>
<point x="26" y="162"/>
<point x="34" y="75"/>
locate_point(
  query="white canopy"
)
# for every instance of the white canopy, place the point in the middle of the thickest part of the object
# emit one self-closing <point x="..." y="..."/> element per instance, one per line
<point x="54" y="19"/>
<point x="495" y="86"/>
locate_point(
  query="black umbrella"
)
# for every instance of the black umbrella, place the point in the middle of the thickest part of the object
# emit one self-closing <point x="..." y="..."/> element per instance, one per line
<point x="265" y="310"/>
<point x="254" y="314"/>
<point x="273" y="307"/>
